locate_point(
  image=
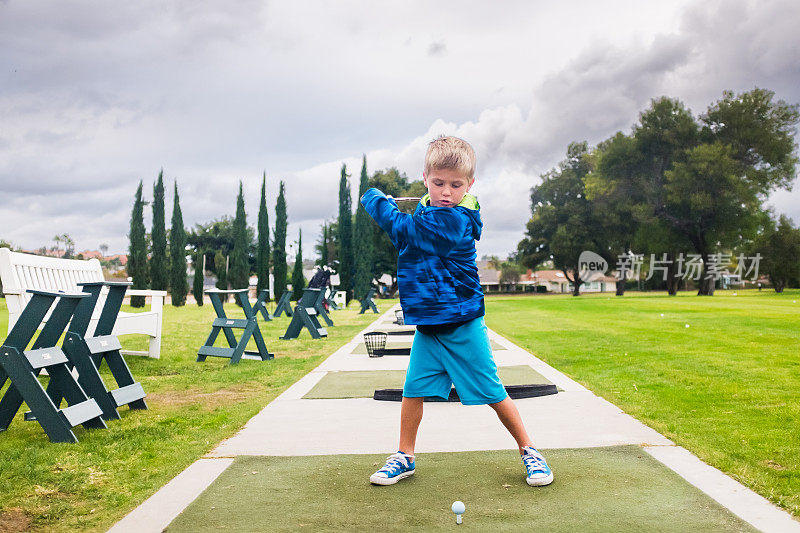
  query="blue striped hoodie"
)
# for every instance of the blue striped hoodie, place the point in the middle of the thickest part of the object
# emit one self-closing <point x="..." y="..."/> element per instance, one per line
<point x="436" y="270"/>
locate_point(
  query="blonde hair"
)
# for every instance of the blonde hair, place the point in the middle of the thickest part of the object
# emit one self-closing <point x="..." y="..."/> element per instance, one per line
<point x="450" y="153"/>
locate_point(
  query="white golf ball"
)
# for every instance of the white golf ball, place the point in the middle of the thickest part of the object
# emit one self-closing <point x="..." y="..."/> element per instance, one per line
<point x="687" y="325"/>
<point x="459" y="507"/>
<point x="662" y="314"/>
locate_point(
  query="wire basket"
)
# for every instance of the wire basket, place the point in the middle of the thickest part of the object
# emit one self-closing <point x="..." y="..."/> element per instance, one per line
<point x="401" y="321"/>
<point x="376" y="343"/>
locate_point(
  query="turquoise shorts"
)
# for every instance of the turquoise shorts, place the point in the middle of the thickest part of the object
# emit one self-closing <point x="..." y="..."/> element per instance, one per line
<point x="461" y="356"/>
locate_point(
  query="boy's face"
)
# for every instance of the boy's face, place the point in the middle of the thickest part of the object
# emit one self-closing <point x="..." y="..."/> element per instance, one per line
<point x="447" y="187"/>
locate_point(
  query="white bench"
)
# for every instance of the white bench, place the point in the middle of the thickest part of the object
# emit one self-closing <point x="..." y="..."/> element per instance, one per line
<point x="20" y="272"/>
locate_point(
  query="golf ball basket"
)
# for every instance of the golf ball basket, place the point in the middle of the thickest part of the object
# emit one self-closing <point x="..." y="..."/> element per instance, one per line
<point x="375" y="341"/>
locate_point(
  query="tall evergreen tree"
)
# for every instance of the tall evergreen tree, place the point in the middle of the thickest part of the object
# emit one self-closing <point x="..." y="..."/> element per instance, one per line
<point x="298" y="281"/>
<point x="322" y="246"/>
<point x="137" y="251"/>
<point x="221" y="266"/>
<point x="362" y="241"/>
<point x="262" y="258"/>
<point x="279" y="244"/>
<point x="239" y="273"/>
<point x="178" y="283"/>
<point x="199" y="275"/>
<point x="159" y="275"/>
<point x="345" y="228"/>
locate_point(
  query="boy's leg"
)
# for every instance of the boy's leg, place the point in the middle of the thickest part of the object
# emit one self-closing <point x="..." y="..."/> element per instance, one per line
<point x="509" y="416"/>
<point x="538" y="472"/>
<point x="410" y="418"/>
<point x="400" y="465"/>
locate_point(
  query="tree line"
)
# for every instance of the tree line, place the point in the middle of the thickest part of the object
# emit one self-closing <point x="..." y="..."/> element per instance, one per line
<point x="227" y="247"/>
<point x="677" y="184"/>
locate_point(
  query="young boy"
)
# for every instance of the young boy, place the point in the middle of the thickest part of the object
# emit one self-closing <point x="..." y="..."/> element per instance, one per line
<point x="441" y="294"/>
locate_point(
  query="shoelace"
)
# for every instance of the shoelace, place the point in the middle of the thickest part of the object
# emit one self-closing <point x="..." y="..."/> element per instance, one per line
<point x="534" y="461"/>
<point x="394" y="462"/>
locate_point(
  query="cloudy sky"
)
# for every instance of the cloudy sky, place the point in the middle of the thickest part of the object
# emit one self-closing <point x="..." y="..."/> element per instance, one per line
<point x="95" y="96"/>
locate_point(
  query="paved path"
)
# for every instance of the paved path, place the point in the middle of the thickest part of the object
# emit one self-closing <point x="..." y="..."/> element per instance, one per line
<point x="573" y="418"/>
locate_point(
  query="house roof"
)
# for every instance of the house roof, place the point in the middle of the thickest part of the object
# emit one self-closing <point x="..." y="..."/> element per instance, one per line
<point x="489" y="276"/>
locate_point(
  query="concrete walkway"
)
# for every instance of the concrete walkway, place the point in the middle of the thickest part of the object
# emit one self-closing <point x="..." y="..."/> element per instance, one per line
<point x="573" y="418"/>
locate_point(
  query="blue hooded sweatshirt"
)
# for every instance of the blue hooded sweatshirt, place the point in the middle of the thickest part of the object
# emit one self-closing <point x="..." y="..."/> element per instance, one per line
<point x="436" y="270"/>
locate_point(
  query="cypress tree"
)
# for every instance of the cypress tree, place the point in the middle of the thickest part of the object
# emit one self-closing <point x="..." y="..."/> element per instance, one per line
<point x="324" y="258"/>
<point x="279" y="243"/>
<point x="345" y="228"/>
<point x="199" y="275"/>
<point x="178" y="283"/>
<point x="262" y="259"/>
<point x="239" y="274"/>
<point x="362" y="245"/>
<point x="221" y="266"/>
<point x="298" y="281"/>
<point x="137" y="251"/>
<point x="159" y="275"/>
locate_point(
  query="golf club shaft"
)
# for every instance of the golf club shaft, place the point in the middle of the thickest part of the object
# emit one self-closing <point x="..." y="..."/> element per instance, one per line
<point x="406" y="199"/>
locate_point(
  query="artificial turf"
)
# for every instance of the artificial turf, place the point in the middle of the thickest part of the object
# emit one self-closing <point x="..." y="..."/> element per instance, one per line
<point x="362" y="383"/>
<point x="595" y="489"/>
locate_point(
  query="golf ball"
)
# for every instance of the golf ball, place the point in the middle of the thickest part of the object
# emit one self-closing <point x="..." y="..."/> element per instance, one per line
<point x="458" y="507"/>
<point x="662" y="314"/>
<point x="687" y="325"/>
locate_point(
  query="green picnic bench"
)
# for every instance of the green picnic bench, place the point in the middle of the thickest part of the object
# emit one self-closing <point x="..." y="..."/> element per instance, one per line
<point x="305" y="316"/>
<point x="249" y="324"/>
<point x="284" y="305"/>
<point x="22" y="368"/>
<point x="367" y="303"/>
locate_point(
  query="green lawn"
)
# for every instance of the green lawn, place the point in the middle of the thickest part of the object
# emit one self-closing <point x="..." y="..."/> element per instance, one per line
<point x="192" y="407"/>
<point x="727" y="387"/>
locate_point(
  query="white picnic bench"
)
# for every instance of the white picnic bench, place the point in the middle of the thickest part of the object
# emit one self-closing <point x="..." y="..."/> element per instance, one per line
<point x="20" y="272"/>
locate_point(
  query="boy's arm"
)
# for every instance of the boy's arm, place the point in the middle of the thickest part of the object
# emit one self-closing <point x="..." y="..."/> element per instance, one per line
<point x="436" y="232"/>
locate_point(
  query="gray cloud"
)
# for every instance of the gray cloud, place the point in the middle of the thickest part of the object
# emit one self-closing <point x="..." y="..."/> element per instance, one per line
<point x="437" y="49"/>
<point x="92" y="100"/>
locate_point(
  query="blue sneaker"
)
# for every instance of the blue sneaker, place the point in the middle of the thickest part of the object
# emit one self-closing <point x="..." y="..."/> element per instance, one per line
<point x="539" y="473"/>
<point x="397" y="467"/>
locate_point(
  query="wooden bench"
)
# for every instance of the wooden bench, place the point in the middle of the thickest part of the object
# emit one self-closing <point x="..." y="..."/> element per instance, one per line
<point x="20" y="272"/>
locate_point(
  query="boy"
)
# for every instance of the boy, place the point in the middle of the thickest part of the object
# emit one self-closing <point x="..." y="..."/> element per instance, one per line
<point x="441" y="294"/>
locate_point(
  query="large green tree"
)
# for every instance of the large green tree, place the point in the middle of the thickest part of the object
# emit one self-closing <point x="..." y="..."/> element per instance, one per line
<point x="137" y="250"/>
<point x="239" y="271"/>
<point x="298" y="280"/>
<point x="345" y="236"/>
<point x="216" y="235"/>
<point x="178" y="283"/>
<point x="564" y="223"/>
<point x="779" y="247"/>
<point x="159" y="272"/>
<point x="263" y="250"/>
<point x="363" y="236"/>
<point x="279" y="268"/>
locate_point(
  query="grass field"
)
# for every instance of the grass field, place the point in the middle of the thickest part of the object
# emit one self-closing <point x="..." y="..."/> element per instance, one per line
<point x="718" y="375"/>
<point x="192" y="406"/>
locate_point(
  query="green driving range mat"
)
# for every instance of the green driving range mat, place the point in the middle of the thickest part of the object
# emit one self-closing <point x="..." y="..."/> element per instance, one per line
<point x="362" y="383"/>
<point x="393" y="342"/>
<point x="595" y="489"/>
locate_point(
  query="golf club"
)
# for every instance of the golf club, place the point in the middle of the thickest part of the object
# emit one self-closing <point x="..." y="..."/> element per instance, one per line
<point x="405" y="199"/>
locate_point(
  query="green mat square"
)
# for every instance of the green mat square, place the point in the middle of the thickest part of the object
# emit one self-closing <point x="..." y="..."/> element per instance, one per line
<point x="361" y="348"/>
<point x="362" y="383"/>
<point x="617" y="489"/>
